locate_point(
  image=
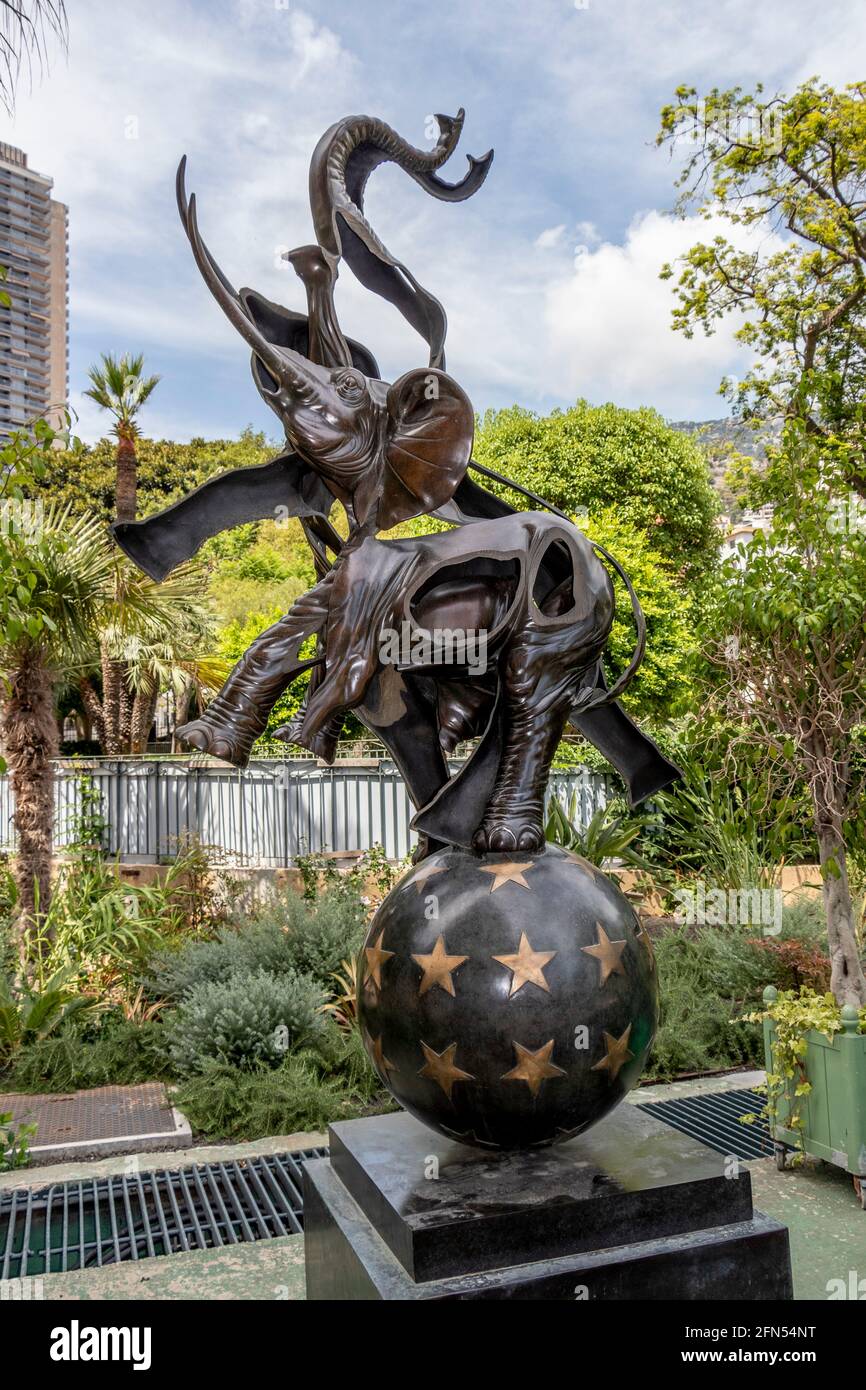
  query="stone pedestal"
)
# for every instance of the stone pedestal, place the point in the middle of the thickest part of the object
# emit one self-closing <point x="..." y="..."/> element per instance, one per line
<point x="630" y="1210"/>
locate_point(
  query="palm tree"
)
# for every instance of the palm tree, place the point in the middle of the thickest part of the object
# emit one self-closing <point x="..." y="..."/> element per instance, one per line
<point x="24" y="29"/>
<point x="69" y="599"/>
<point x="68" y="566"/>
<point x="159" y="634"/>
<point x="119" y="387"/>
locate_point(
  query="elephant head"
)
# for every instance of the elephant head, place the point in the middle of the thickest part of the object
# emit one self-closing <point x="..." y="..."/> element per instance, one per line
<point x="387" y="452"/>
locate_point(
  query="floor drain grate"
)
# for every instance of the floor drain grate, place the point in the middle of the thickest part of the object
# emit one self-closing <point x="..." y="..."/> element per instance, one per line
<point x="100" y="1221"/>
<point x="715" y="1120"/>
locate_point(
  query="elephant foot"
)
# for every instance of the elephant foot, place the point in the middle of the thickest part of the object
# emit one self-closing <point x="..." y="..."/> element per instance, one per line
<point x="509" y="834"/>
<point x="207" y="737"/>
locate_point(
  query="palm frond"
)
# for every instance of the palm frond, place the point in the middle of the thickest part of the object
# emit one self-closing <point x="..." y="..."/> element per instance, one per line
<point x="119" y="387"/>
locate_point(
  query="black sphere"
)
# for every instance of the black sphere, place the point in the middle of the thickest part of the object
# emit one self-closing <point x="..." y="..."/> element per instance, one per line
<point x="507" y="1001"/>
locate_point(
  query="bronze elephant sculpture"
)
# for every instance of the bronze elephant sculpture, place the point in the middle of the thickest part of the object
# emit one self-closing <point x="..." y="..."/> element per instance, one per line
<point x="529" y="582"/>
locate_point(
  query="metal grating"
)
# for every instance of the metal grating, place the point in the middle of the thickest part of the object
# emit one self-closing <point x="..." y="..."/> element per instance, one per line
<point x="101" y="1221"/>
<point x="715" y="1120"/>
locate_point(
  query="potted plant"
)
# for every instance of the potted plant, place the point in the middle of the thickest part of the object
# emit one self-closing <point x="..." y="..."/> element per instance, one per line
<point x="816" y="1079"/>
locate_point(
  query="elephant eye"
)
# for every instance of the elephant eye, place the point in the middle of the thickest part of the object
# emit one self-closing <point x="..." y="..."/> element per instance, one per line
<point x="351" y="386"/>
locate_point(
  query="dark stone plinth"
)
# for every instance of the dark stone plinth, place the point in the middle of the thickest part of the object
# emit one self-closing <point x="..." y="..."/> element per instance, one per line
<point x="632" y="1209"/>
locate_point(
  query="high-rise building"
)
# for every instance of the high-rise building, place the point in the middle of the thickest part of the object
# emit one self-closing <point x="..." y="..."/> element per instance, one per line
<point x="34" y="328"/>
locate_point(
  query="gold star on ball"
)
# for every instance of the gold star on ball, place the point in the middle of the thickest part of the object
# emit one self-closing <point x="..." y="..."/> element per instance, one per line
<point x="527" y="966"/>
<point x="508" y="872"/>
<point x="608" y="954"/>
<point x="617" y="1054"/>
<point x="533" y="1067"/>
<point x="426" y="872"/>
<point x="380" y="1061"/>
<point x="376" y="958"/>
<point x="440" y="1067"/>
<point x="438" y="967"/>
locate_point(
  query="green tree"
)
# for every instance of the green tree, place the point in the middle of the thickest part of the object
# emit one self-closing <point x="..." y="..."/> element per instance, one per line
<point x="162" y="637"/>
<point x="58" y="573"/>
<point x="120" y="387"/>
<point x="784" y="628"/>
<point x="663" y="686"/>
<point x="165" y="470"/>
<point x="593" y="458"/>
<point x="796" y="165"/>
<point x="785" y="636"/>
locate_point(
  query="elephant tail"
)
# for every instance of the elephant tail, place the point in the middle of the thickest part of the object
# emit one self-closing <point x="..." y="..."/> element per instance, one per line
<point x="588" y="697"/>
<point x="605" y="697"/>
<point x="342" y="162"/>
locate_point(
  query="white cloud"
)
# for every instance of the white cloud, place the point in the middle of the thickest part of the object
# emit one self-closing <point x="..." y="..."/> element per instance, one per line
<point x="570" y="100"/>
<point x="551" y="236"/>
<point x="608" y="322"/>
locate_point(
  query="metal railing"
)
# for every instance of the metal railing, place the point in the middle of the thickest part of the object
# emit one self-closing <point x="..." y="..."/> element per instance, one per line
<point x="264" y="816"/>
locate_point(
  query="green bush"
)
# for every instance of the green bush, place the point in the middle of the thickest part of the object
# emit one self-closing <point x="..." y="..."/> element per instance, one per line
<point x="710" y="976"/>
<point x="120" y="1054"/>
<point x="289" y="934"/>
<point x="707" y="978"/>
<point x="251" y="1018"/>
<point x="222" y="1102"/>
<point x="321" y="934"/>
<point x="15" y="1140"/>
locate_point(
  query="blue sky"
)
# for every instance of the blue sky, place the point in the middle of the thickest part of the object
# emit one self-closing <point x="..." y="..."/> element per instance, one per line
<point x="549" y="275"/>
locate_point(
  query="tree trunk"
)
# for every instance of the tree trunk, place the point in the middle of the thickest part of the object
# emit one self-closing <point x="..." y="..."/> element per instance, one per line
<point x="143" y="711"/>
<point x="127" y="480"/>
<point x="112" y="678"/>
<point x="846" y="973"/>
<point x="116" y="706"/>
<point x="181" y="712"/>
<point x="92" y="710"/>
<point x="124" y="721"/>
<point x="30" y="741"/>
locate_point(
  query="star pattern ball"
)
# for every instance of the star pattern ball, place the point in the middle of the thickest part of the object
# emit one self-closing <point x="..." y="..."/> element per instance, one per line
<point x="508" y="1001"/>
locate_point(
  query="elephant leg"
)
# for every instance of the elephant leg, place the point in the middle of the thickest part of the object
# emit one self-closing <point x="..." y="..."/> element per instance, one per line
<point x="236" y="717"/>
<point x="396" y="711"/>
<point x="514" y="817"/>
<point x="540" y="676"/>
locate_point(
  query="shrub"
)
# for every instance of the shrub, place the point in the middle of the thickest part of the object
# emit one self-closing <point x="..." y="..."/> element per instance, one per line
<point x="14" y="1143"/>
<point x="320" y="935"/>
<point x="710" y="976"/>
<point x="121" y="1054"/>
<point x="222" y="1102"/>
<point x="705" y="978"/>
<point x="29" y="1013"/>
<point x="289" y="934"/>
<point x="794" y="964"/>
<point x="250" y="1018"/>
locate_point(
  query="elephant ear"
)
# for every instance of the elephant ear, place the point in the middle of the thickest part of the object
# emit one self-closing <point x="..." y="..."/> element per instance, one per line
<point x="430" y="431"/>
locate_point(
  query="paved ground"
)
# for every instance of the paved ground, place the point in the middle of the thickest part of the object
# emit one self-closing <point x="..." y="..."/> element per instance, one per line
<point x="816" y="1203"/>
<point x="268" y="1269"/>
<point x="156" y="1162"/>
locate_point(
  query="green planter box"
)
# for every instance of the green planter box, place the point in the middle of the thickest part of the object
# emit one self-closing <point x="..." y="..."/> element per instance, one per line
<point x="834" y="1111"/>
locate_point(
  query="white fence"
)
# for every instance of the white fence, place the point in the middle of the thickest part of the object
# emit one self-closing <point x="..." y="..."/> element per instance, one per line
<point x="264" y="816"/>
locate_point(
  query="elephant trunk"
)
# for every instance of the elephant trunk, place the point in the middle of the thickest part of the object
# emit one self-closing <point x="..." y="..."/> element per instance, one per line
<point x="342" y="162"/>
